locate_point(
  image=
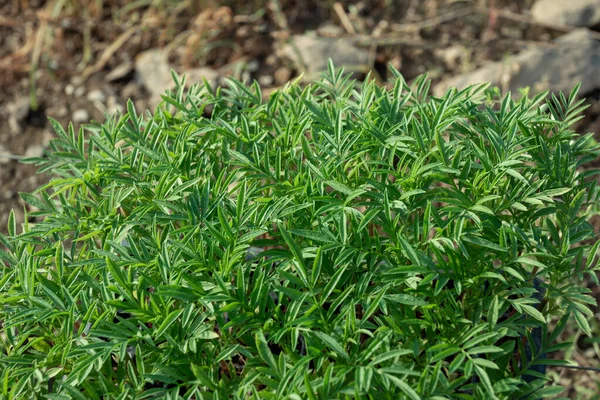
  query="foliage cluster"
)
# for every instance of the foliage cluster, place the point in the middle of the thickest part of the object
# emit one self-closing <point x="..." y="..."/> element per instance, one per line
<point x="339" y="240"/>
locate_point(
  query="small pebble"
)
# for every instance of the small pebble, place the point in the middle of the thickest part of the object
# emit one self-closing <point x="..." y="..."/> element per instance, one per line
<point x="35" y="150"/>
<point x="79" y="91"/>
<point x="330" y="30"/>
<point x="116" y="109"/>
<point x="253" y="66"/>
<point x="62" y="111"/>
<point x="96" y="96"/>
<point x="265" y="80"/>
<point x="119" y="72"/>
<point x="4" y="155"/>
<point x="246" y="77"/>
<point x="19" y="109"/>
<point x="80" y="116"/>
<point x="282" y="75"/>
<point x="77" y="80"/>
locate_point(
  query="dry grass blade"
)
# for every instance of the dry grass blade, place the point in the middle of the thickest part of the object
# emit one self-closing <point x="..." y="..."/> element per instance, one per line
<point x="110" y="51"/>
<point x="341" y="13"/>
<point x="437" y="20"/>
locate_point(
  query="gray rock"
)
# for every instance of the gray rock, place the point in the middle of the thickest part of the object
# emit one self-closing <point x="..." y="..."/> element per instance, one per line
<point x="19" y="108"/>
<point x="81" y="116"/>
<point x="77" y="80"/>
<point x="119" y="72"/>
<point x="60" y="111"/>
<point x="113" y="106"/>
<point x="330" y="30"/>
<point x="17" y="112"/>
<point x="584" y="13"/>
<point x="253" y="66"/>
<point x="574" y="58"/>
<point x="451" y="55"/>
<point x="34" y="150"/>
<point x="195" y="75"/>
<point x="310" y="53"/>
<point x="153" y="72"/>
<point x="5" y="156"/>
<point x="96" y="96"/>
<point x="265" y="80"/>
<point x="79" y="91"/>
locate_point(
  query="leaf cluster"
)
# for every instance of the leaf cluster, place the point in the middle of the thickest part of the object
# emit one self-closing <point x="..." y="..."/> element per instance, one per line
<point x="338" y="240"/>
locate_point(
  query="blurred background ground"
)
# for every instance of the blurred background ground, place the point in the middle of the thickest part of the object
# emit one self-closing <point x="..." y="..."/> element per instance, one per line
<point x="76" y="60"/>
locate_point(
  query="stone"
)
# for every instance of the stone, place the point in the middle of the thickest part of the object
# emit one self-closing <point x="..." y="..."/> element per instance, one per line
<point x="330" y="30"/>
<point x="8" y="194"/>
<point x="81" y="116"/>
<point x="119" y="72"/>
<point x="19" y="109"/>
<point x="114" y="107"/>
<point x="311" y="53"/>
<point x="5" y="156"/>
<point x="154" y="73"/>
<point x="574" y="58"/>
<point x="96" y="96"/>
<point x="59" y="111"/>
<point x="34" y="150"/>
<point x="77" y="80"/>
<point x="17" y="113"/>
<point x="195" y="75"/>
<point x="451" y="55"/>
<point x="583" y="13"/>
<point x="79" y="91"/>
<point x="282" y="75"/>
<point x="253" y="65"/>
<point x="265" y="80"/>
<point x="131" y="90"/>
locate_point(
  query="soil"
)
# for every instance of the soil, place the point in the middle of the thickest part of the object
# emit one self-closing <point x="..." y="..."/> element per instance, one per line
<point x="60" y="58"/>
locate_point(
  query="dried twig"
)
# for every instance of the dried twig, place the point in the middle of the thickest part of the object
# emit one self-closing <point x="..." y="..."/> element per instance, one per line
<point x="490" y="31"/>
<point x="7" y="156"/>
<point x="394" y="38"/>
<point x="109" y="52"/>
<point x="437" y="20"/>
<point x="8" y="23"/>
<point x="87" y="41"/>
<point x="390" y="40"/>
<point x="279" y="16"/>
<point x="11" y="62"/>
<point x="411" y="10"/>
<point x="341" y="13"/>
<point x="595" y="369"/>
<point x="529" y="20"/>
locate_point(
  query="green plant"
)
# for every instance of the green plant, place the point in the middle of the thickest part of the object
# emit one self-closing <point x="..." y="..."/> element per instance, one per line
<point x="333" y="241"/>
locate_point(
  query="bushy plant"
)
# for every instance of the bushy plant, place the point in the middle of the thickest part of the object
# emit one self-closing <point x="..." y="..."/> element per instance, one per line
<point x="334" y="241"/>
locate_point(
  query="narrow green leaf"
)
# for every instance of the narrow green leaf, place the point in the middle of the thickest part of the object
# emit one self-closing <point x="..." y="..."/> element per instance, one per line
<point x="296" y="252"/>
<point x="167" y="322"/>
<point x="582" y="323"/>
<point x="406" y="299"/>
<point x="333" y="283"/>
<point x="404" y="387"/>
<point x="332" y="344"/>
<point x="265" y="353"/>
<point x="487" y="383"/>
